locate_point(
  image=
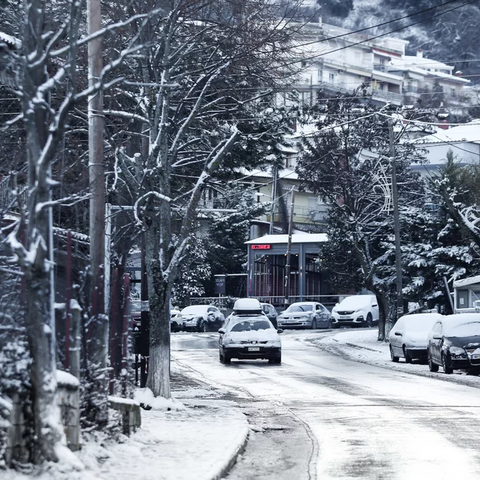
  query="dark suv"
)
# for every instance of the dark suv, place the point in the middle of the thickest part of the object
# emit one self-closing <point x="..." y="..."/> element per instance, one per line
<point x="270" y="312"/>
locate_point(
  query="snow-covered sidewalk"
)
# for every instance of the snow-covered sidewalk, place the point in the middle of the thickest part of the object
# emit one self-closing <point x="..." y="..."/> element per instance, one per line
<point x="193" y="436"/>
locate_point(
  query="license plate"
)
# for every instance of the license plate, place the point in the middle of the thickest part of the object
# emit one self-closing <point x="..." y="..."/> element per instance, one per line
<point x="253" y="349"/>
<point x="344" y="317"/>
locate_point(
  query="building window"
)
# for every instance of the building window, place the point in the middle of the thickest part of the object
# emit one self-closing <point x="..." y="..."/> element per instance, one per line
<point x="331" y="78"/>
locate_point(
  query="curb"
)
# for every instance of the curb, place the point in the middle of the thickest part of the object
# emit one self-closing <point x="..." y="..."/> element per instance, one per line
<point x="233" y="459"/>
<point x="361" y="347"/>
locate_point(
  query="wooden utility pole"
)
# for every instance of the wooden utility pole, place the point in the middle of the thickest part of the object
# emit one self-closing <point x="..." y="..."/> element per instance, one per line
<point x="274" y="199"/>
<point x="98" y="333"/>
<point x="289" y="249"/>
<point x="396" y="223"/>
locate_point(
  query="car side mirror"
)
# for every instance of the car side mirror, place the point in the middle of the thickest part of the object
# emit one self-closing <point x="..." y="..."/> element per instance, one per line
<point x="398" y="333"/>
<point x="279" y="330"/>
<point x="221" y="331"/>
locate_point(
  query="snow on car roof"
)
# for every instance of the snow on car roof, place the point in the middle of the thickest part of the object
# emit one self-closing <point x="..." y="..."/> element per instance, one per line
<point x="356" y="300"/>
<point x="247" y="305"/>
<point x="452" y="321"/>
<point x="429" y="318"/>
<point x="195" y="308"/>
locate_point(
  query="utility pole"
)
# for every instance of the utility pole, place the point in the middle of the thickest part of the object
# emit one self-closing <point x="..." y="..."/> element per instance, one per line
<point x="98" y="333"/>
<point x="274" y="196"/>
<point x="396" y="223"/>
<point x="289" y="250"/>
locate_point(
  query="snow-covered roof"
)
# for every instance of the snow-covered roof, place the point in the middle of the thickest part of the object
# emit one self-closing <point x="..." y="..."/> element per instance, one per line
<point x="426" y="63"/>
<point x="419" y="67"/>
<point x="470" y="132"/>
<point x="464" y="282"/>
<point x="296" y="238"/>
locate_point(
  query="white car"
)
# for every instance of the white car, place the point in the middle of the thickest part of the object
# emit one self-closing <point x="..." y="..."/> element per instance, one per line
<point x="305" y="315"/>
<point x="200" y="318"/>
<point x="356" y="311"/>
<point x="409" y="336"/>
<point x="249" y="336"/>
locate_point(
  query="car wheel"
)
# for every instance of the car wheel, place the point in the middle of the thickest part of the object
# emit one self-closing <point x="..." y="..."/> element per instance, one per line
<point x="227" y="359"/>
<point x="276" y="361"/>
<point x="369" y="320"/>
<point x="221" y="357"/>
<point x="392" y="356"/>
<point x="447" y="367"/>
<point x="433" y="367"/>
<point x="406" y="354"/>
<point x="203" y="327"/>
<point x="314" y="323"/>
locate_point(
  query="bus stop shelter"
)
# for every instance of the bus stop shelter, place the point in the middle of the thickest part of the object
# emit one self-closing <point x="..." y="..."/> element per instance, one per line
<point x="267" y="259"/>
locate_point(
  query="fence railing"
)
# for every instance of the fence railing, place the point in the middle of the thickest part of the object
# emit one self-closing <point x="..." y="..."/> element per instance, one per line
<point x="278" y="302"/>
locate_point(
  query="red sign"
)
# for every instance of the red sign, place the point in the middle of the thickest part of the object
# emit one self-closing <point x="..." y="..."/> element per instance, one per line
<point x="261" y="247"/>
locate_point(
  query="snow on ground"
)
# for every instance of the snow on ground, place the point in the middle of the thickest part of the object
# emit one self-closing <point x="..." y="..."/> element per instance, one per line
<point x="197" y="433"/>
<point x="362" y="345"/>
<point x="195" y="437"/>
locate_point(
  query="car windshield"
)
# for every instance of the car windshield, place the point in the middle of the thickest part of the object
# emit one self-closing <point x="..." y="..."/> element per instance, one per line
<point x="470" y="329"/>
<point x="194" y="310"/>
<point x="299" y="308"/>
<point x="251" y="325"/>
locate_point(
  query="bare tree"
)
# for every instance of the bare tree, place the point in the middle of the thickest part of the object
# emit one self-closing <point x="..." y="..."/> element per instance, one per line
<point x="347" y="162"/>
<point x="52" y="39"/>
<point x="210" y="69"/>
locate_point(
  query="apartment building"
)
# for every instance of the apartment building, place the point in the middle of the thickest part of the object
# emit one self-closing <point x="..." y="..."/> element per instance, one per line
<point x="337" y="60"/>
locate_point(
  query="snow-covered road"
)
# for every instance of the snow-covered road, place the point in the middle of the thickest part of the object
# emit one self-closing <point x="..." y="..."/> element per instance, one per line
<point x="365" y="421"/>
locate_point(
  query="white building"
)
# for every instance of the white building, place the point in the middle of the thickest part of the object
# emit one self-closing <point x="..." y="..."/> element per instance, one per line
<point x="338" y="60"/>
<point x="462" y="140"/>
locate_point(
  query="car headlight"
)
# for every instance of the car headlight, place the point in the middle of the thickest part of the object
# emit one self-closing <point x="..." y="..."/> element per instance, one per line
<point x="457" y="352"/>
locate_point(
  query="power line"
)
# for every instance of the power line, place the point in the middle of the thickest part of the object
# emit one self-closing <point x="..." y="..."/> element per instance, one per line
<point x="419" y="12"/>
<point x="361" y="42"/>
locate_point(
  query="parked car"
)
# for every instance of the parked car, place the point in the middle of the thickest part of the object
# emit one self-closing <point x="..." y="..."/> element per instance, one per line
<point x="249" y="334"/>
<point x="175" y="326"/>
<point x="270" y="312"/>
<point x="454" y="343"/>
<point x="201" y="318"/>
<point x="356" y="311"/>
<point x="409" y="336"/>
<point x="305" y="315"/>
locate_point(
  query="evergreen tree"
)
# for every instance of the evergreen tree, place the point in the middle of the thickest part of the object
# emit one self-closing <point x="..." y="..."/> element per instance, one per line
<point x="347" y="163"/>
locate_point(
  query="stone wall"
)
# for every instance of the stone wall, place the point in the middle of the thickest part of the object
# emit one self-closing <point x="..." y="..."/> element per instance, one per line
<point x="69" y="403"/>
<point x="130" y="411"/>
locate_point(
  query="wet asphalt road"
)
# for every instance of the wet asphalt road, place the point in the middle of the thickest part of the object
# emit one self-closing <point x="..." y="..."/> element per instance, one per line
<point x="321" y="416"/>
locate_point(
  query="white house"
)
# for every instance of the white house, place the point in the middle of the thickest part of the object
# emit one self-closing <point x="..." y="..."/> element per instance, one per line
<point x="462" y="140"/>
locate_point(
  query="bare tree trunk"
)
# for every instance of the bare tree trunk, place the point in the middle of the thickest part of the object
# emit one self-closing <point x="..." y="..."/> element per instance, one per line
<point x="159" y="301"/>
<point x="97" y="409"/>
<point x="34" y="258"/>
